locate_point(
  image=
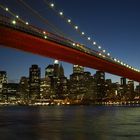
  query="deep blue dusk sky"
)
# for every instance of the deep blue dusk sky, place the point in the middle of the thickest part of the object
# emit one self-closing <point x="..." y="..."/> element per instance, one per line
<point x="114" y="24"/>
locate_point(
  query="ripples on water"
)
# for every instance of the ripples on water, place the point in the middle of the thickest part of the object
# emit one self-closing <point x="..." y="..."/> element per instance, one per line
<point x="70" y="123"/>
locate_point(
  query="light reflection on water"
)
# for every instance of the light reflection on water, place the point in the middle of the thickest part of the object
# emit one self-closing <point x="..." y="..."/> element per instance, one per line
<point x="70" y="123"/>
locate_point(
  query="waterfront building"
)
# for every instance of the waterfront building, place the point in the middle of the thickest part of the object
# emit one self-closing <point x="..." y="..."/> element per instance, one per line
<point x="10" y="91"/>
<point x="123" y="81"/>
<point x="130" y="90"/>
<point x="100" y="83"/>
<point x="45" y="88"/>
<point x="123" y="88"/>
<point x="63" y="86"/>
<point x="61" y="71"/>
<point x="24" y="88"/>
<point x="56" y="68"/>
<point x="49" y="71"/>
<point x="57" y="79"/>
<point x="137" y="90"/>
<point x="91" y="88"/>
<point x="3" y="79"/>
<point x="34" y="82"/>
<point x="78" y="69"/>
<point x="81" y="84"/>
<point x="112" y="91"/>
<point x="77" y="88"/>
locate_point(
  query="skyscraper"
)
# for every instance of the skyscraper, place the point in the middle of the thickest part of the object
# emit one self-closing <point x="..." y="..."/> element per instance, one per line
<point x="61" y="71"/>
<point x="123" y="87"/>
<point x="123" y="81"/>
<point x="45" y="88"/>
<point x="130" y="90"/>
<point x="56" y="68"/>
<point x="49" y="71"/>
<point x="78" y="69"/>
<point x="58" y="80"/>
<point x="24" y="88"/>
<point x="100" y="82"/>
<point x="34" y="82"/>
<point x="77" y="87"/>
<point x="3" y="79"/>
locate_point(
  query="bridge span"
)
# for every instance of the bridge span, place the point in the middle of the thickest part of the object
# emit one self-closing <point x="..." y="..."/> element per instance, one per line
<point x="53" y="46"/>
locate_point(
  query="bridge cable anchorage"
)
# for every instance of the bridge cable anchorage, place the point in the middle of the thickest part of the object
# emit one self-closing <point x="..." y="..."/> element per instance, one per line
<point x="102" y="52"/>
<point x="44" y="20"/>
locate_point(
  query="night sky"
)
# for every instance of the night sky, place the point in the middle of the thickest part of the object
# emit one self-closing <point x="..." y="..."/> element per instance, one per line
<point x="114" y="24"/>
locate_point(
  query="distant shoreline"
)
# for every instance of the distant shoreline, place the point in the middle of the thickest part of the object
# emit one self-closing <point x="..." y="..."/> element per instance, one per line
<point x="125" y="103"/>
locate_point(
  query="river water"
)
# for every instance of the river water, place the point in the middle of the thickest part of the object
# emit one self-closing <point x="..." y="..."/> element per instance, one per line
<point x="70" y="123"/>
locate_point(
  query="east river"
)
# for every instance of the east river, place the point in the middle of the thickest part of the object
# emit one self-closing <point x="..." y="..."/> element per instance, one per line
<point x="69" y="123"/>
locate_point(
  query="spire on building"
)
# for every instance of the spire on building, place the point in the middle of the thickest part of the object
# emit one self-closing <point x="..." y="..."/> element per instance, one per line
<point x="61" y="71"/>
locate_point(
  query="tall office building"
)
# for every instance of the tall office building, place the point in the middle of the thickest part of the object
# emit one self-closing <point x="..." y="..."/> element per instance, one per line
<point x="24" y="88"/>
<point x="34" y="82"/>
<point x="130" y="90"/>
<point x="56" y="68"/>
<point x="78" y="69"/>
<point x="77" y="87"/>
<point x="61" y="71"/>
<point x="100" y="82"/>
<point x="11" y="91"/>
<point x="123" y="87"/>
<point x="49" y="71"/>
<point x="58" y="80"/>
<point x="123" y="81"/>
<point x="138" y="90"/>
<point x="45" y="88"/>
<point x="3" y="79"/>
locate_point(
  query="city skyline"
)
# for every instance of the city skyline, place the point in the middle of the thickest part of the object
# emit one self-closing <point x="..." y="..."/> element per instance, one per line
<point x="110" y="34"/>
<point x="43" y="73"/>
<point x="55" y="60"/>
<point x="56" y="88"/>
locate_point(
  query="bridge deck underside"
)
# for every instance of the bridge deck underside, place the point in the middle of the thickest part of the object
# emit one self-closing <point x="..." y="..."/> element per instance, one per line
<point x="25" y="42"/>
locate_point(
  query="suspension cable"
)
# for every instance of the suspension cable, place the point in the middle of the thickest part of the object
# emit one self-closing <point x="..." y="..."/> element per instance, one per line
<point x="35" y="13"/>
<point x="74" y="26"/>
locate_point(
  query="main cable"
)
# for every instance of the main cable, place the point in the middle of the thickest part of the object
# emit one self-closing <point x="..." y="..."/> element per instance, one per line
<point x="44" y="20"/>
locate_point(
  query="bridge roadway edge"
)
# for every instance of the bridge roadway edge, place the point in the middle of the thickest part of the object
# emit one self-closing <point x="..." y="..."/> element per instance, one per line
<point x="29" y="43"/>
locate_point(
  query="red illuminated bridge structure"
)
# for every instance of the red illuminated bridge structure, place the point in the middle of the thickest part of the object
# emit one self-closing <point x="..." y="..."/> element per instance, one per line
<point x="31" y="39"/>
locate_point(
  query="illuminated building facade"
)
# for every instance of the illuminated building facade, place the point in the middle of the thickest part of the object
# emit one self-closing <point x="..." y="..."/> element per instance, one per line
<point x="34" y="82"/>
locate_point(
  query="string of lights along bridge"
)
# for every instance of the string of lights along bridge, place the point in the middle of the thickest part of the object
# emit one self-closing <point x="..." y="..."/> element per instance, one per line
<point x="16" y="20"/>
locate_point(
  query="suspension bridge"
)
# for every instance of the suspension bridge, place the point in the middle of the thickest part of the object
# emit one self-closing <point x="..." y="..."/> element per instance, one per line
<point x="19" y="34"/>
